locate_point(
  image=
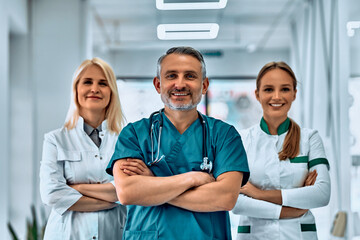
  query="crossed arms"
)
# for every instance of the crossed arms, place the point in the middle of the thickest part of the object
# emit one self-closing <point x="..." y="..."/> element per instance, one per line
<point x="285" y="203"/>
<point x="188" y="190"/>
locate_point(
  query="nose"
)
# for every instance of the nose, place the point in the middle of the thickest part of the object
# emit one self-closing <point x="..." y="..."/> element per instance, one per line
<point x="276" y="94"/>
<point x="94" y="88"/>
<point x="180" y="82"/>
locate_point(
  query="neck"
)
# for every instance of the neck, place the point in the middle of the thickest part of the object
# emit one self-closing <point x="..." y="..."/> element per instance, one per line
<point x="181" y="119"/>
<point x="274" y="123"/>
<point x="93" y="118"/>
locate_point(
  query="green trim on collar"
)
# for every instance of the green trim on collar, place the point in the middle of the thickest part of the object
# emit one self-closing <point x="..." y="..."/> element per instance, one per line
<point x="281" y="129"/>
<point x="308" y="227"/>
<point x="243" y="229"/>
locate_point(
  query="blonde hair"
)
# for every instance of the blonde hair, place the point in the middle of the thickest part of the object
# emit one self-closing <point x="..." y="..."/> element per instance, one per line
<point x="291" y="146"/>
<point x="113" y="112"/>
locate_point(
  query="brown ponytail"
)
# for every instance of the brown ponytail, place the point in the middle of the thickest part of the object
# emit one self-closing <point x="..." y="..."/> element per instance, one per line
<point x="291" y="146"/>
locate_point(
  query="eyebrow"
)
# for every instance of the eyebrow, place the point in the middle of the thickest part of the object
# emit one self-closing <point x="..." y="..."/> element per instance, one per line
<point x="191" y="71"/>
<point x="283" y="85"/>
<point x="171" y="71"/>
<point x="101" y="80"/>
<point x="175" y="71"/>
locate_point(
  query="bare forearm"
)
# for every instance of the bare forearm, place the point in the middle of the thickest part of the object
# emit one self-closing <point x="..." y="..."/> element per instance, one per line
<point x="216" y="196"/>
<point x="105" y="191"/>
<point x="206" y="198"/>
<point x="273" y="196"/>
<point x="151" y="191"/>
<point x="289" y="212"/>
<point x="88" y="204"/>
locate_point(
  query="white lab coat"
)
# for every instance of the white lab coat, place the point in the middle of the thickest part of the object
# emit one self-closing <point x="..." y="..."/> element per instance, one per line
<point x="260" y="219"/>
<point x="71" y="157"/>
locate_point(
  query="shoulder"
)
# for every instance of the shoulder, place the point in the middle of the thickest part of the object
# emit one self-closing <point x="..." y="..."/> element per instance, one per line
<point x="64" y="138"/>
<point x="56" y="134"/>
<point x="217" y="124"/>
<point x="139" y="125"/>
<point x="251" y="131"/>
<point x="308" y="133"/>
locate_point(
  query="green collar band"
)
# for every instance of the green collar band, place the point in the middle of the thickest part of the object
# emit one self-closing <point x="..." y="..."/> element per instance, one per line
<point x="281" y="129"/>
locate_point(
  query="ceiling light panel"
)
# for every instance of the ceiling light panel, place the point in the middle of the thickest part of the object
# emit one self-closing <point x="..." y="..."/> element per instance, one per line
<point x="190" y="5"/>
<point x="187" y="31"/>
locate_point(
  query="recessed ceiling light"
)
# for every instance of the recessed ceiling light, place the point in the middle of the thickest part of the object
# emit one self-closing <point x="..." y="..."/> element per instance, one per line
<point x="167" y="5"/>
<point x="187" y="31"/>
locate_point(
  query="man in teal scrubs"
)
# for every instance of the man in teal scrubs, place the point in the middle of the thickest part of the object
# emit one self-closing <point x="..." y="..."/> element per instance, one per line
<point x="179" y="201"/>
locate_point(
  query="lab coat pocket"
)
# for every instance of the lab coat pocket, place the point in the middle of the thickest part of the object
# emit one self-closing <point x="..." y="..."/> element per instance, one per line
<point x="70" y="159"/>
<point x="65" y="155"/>
<point x="141" y="235"/>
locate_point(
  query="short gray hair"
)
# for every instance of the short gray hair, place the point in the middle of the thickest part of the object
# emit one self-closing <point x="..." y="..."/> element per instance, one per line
<point x="183" y="51"/>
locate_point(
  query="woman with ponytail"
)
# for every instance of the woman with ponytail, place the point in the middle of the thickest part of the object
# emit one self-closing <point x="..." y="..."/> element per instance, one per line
<point x="289" y="169"/>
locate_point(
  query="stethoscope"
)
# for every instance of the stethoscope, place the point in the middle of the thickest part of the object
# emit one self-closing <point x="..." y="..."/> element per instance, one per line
<point x="206" y="165"/>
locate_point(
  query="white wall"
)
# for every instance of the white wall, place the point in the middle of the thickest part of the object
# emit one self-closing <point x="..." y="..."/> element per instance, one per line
<point x="355" y="59"/>
<point x="21" y="126"/>
<point x="18" y="16"/>
<point x="13" y="18"/>
<point x="4" y="119"/>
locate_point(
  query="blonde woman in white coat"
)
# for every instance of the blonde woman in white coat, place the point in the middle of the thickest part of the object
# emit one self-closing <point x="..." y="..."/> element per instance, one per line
<point x="73" y="181"/>
<point x="289" y="169"/>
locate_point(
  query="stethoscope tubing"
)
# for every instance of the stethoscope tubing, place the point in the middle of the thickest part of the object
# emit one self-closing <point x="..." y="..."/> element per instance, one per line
<point x="205" y="165"/>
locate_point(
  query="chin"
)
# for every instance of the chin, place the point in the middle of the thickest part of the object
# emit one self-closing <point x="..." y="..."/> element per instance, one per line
<point x="277" y="114"/>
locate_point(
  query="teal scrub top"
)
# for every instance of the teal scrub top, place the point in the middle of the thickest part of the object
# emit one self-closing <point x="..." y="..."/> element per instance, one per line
<point x="183" y="153"/>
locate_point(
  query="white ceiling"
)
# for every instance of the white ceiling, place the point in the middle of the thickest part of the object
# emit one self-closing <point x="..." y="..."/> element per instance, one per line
<point x="131" y="24"/>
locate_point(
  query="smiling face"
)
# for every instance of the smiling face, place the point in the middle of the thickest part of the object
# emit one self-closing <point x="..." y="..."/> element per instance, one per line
<point x="93" y="91"/>
<point x="181" y="84"/>
<point x="276" y="93"/>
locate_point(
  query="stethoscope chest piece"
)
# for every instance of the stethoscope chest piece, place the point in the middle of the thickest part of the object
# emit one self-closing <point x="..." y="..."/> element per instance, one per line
<point x="206" y="165"/>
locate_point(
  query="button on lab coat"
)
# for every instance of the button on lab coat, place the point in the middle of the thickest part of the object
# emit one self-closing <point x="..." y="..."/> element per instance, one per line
<point x="260" y="219"/>
<point x="71" y="157"/>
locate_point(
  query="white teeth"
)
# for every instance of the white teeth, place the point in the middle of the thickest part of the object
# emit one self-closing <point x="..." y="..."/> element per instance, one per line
<point x="180" y="94"/>
<point x="276" y="105"/>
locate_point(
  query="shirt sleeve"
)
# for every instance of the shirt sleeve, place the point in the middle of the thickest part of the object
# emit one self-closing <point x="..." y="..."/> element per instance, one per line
<point x="231" y="155"/>
<point x="317" y="195"/>
<point x="53" y="188"/>
<point x="127" y="146"/>
<point x="252" y="207"/>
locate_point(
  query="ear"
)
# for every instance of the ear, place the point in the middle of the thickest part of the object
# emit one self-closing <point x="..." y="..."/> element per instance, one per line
<point x="156" y="82"/>
<point x="205" y="85"/>
<point x="295" y="94"/>
<point x="257" y="94"/>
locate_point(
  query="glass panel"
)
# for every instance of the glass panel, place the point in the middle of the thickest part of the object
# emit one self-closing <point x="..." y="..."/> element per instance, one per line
<point x="354" y="113"/>
<point x="234" y="102"/>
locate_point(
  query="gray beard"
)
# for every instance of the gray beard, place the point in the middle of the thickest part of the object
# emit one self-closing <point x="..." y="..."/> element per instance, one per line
<point x="179" y="107"/>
